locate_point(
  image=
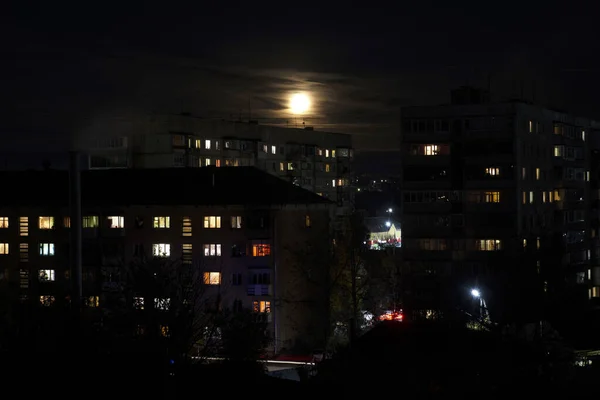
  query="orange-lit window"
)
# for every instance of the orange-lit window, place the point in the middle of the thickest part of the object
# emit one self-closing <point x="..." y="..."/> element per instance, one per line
<point x="218" y="162"/>
<point x="261" y="306"/>
<point x="67" y="222"/>
<point x="3" y="222"/>
<point x="3" y="248"/>
<point x="492" y="197"/>
<point x="261" y="250"/>
<point x="186" y="228"/>
<point x="212" y="278"/>
<point x="327" y="168"/>
<point x="24" y="226"/>
<point x="431" y="150"/>
<point x="212" y="222"/>
<point x="489" y="245"/>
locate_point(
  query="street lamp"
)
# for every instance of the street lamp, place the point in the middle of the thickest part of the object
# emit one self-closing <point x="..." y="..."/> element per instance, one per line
<point x="475" y="293"/>
<point x="388" y="224"/>
<point x="483" y="311"/>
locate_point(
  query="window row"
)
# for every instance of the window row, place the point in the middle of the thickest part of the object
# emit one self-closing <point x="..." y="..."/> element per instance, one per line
<point x="445" y="244"/>
<point x="45" y="249"/>
<point x="210" y="250"/>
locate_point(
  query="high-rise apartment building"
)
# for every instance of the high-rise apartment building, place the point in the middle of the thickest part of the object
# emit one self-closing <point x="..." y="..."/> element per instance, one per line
<point x="240" y="228"/>
<point x="314" y="160"/>
<point x="498" y="195"/>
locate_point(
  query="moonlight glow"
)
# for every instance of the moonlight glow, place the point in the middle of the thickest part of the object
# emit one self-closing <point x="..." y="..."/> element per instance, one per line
<point x="299" y="103"/>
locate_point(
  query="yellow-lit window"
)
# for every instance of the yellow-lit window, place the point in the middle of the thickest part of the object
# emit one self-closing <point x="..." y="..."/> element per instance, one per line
<point x="212" y="250"/>
<point x="207" y="162"/>
<point x="543" y="197"/>
<point x="47" y="301"/>
<point x="492" y="197"/>
<point x="46" y="249"/>
<point x="236" y="222"/>
<point x="261" y="306"/>
<point x="90" y="221"/>
<point x="66" y="222"/>
<point x="307" y="221"/>
<point x="186" y="229"/>
<point x="281" y="166"/>
<point x="93" y="301"/>
<point x="327" y="167"/>
<point x="595" y="291"/>
<point x="198" y="143"/>
<point x="212" y="278"/>
<point x="3" y="248"/>
<point x="492" y="171"/>
<point x="46" y="275"/>
<point x="261" y="250"/>
<point x="162" y="222"/>
<point x="551" y="196"/>
<point x="332" y="153"/>
<point x="489" y="245"/>
<point x="24" y="252"/>
<point x="46" y="222"/>
<point x="186" y="253"/>
<point x="161" y="250"/>
<point x="538" y="243"/>
<point x="290" y="166"/>
<point x="531" y="197"/>
<point x="164" y="331"/>
<point x="537" y="174"/>
<point x="431" y="150"/>
<point x="557" y="195"/>
<point x="117" y="222"/>
<point x="3" y="222"/>
<point x="524" y="242"/>
<point x="212" y="222"/>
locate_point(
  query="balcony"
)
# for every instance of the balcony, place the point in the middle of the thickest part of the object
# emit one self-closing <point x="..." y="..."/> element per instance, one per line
<point x="259" y="290"/>
<point x="112" y="286"/>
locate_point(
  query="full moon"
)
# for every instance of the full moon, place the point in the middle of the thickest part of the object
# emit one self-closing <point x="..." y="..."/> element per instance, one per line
<point x="299" y="103"/>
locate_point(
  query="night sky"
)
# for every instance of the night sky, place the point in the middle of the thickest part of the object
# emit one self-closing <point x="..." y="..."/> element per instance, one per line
<point x="67" y="67"/>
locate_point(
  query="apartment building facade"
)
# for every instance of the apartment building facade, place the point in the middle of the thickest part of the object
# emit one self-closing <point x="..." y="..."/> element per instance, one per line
<point x="314" y="160"/>
<point x="498" y="195"/>
<point x="238" y="227"/>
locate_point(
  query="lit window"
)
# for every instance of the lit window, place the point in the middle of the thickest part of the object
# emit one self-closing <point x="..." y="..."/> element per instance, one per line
<point x="67" y="222"/>
<point x="595" y="291"/>
<point x="3" y="248"/>
<point x="332" y="153"/>
<point x="138" y="303"/>
<point x="326" y="153"/>
<point x="524" y="243"/>
<point x="493" y="171"/>
<point x="90" y="221"/>
<point x="164" y="330"/>
<point x="307" y="221"/>
<point x="46" y="275"/>
<point x="46" y="222"/>
<point x="261" y="250"/>
<point x="524" y="197"/>
<point x="489" y="245"/>
<point x="162" y="303"/>
<point x="531" y="197"/>
<point x="537" y="174"/>
<point x="46" y="249"/>
<point x="492" y="197"/>
<point x="3" y="222"/>
<point x="207" y="144"/>
<point x="261" y="306"/>
<point x="198" y="143"/>
<point x="93" y="301"/>
<point x="162" y="222"/>
<point x="431" y="150"/>
<point x="290" y="166"/>
<point x="543" y="197"/>
<point x="333" y="182"/>
<point x="207" y="162"/>
<point x="559" y="151"/>
<point x="24" y="252"/>
<point x="218" y="162"/>
<point x="281" y="166"/>
<point x="47" y="301"/>
<point x="273" y="149"/>
<point x="538" y="243"/>
<point x="116" y="222"/>
<point x="327" y="167"/>
<point x="523" y="173"/>
<point x="212" y="250"/>
<point x="186" y="253"/>
<point x="236" y="222"/>
<point x="530" y="126"/>
<point x="161" y="250"/>
<point x="265" y="148"/>
<point x="186" y="229"/>
<point x="212" y="278"/>
<point x="212" y="222"/>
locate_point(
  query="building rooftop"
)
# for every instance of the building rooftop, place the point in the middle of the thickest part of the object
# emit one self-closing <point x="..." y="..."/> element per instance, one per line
<point x="165" y="186"/>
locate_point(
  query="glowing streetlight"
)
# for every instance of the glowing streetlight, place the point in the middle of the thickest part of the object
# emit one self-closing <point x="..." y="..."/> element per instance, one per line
<point x="299" y="103"/>
<point x="475" y="293"/>
<point x="388" y="224"/>
<point x="389" y="210"/>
